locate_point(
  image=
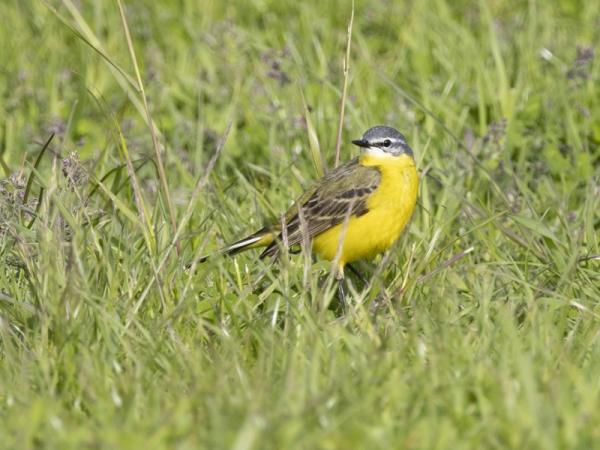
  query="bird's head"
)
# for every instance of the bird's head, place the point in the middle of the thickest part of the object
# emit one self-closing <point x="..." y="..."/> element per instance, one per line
<point x="384" y="141"/>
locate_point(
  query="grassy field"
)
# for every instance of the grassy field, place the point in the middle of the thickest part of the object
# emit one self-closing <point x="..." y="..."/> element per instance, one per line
<point x="480" y="329"/>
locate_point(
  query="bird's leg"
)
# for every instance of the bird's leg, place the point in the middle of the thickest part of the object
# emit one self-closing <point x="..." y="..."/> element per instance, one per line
<point x="359" y="275"/>
<point x="342" y="294"/>
<point x="339" y="276"/>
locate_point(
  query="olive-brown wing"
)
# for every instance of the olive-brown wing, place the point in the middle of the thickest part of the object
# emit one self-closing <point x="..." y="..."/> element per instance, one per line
<point x="341" y="193"/>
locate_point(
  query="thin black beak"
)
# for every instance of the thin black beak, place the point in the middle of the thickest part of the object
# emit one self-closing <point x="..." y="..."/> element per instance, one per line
<point x="361" y="142"/>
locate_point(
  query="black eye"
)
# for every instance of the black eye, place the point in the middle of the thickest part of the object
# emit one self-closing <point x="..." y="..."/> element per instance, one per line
<point x="387" y="143"/>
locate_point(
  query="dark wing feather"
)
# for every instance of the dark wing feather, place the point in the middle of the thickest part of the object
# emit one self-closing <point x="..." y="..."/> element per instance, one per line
<point x="326" y="204"/>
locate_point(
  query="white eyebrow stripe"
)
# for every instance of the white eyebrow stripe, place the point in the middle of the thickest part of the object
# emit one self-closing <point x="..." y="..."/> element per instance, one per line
<point x="392" y="140"/>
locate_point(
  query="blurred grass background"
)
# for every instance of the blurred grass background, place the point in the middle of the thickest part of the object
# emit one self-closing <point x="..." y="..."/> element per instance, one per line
<point x="481" y="328"/>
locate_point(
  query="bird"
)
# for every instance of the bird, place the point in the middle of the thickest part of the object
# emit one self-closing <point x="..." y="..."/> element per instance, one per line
<point x="354" y="212"/>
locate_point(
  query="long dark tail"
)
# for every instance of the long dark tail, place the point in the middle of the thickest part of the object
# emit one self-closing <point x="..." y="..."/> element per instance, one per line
<point x="262" y="238"/>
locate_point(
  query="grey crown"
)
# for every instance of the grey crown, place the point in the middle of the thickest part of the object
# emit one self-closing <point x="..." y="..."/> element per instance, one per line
<point x="377" y="137"/>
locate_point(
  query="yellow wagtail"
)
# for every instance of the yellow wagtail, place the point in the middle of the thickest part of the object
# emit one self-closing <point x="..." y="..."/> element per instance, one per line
<point x="356" y="211"/>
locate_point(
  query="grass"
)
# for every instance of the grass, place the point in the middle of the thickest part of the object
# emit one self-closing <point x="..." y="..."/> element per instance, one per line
<point x="480" y="329"/>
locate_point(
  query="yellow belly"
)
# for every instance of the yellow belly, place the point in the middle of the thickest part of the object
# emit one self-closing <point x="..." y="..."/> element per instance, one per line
<point x="390" y="208"/>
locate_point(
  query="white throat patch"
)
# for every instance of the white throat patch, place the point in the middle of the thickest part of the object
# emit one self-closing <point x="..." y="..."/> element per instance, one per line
<point x="377" y="152"/>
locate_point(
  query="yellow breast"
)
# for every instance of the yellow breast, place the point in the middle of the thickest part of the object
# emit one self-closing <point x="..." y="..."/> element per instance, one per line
<point x="390" y="207"/>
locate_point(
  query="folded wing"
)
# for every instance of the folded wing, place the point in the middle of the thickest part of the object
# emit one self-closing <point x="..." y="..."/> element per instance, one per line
<point x="341" y="193"/>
